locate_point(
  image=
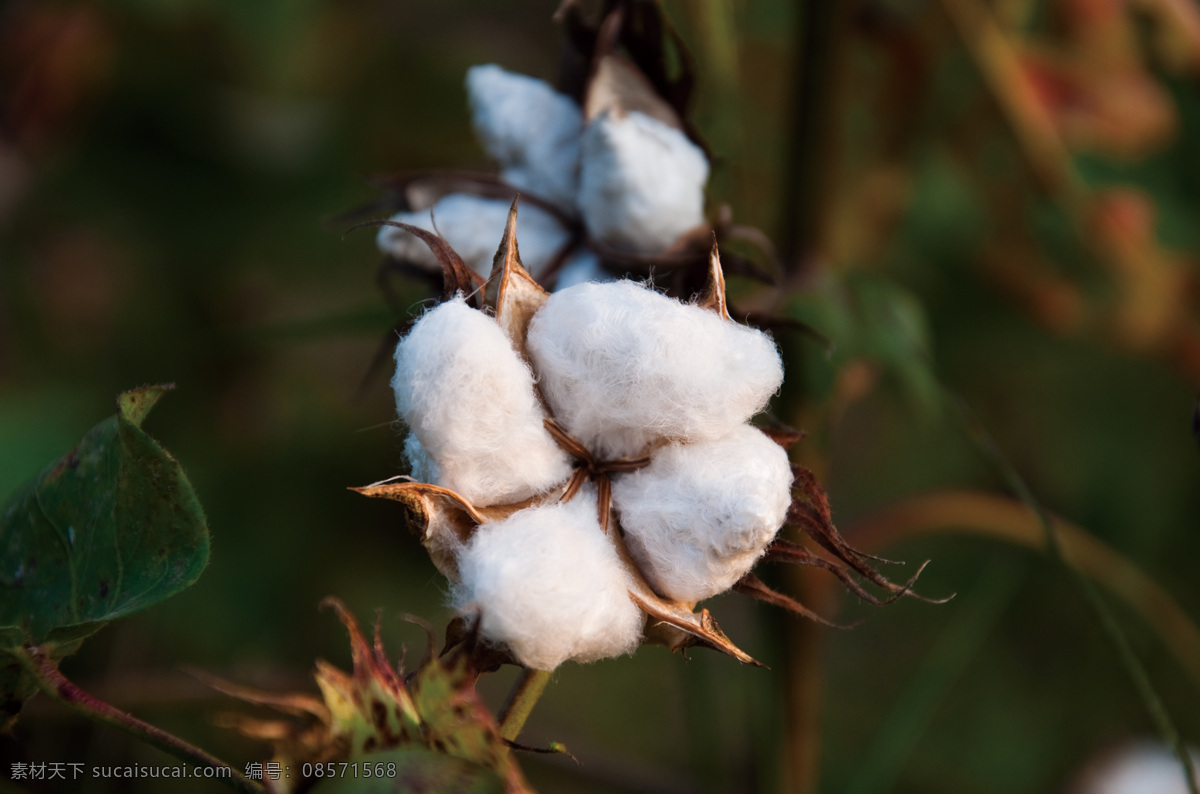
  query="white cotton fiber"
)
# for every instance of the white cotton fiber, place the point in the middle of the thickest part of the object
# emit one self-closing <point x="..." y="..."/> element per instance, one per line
<point x="641" y="183"/>
<point x="582" y="266"/>
<point x="473" y="226"/>
<point x="420" y="466"/>
<point x="550" y="586"/>
<point x="700" y="515"/>
<point x="469" y="399"/>
<point x="1140" y="768"/>
<point x="530" y="129"/>
<point x="622" y="366"/>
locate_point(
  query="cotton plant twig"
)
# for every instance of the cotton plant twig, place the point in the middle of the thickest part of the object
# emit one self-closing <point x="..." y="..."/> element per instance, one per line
<point x="524" y="696"/>
<point x="51" y="681"/>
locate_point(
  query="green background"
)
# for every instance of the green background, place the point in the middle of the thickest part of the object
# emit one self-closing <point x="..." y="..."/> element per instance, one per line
<point x="170" y="221"/>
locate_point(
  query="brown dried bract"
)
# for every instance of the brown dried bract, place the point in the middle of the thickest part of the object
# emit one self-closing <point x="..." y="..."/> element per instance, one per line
<point x="511" y="293"/>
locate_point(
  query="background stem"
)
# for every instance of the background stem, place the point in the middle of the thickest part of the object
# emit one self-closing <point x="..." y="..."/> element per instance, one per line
<point x="810" y="160"/>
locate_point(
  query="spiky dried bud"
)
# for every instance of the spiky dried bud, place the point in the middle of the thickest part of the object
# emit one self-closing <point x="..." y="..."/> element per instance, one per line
<point x="434" y="714"/>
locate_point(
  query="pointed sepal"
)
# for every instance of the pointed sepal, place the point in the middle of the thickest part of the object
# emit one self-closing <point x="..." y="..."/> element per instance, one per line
<point x="713" y="296"/>
<point x="697" y="628"/>
<point x="511" y="293"/>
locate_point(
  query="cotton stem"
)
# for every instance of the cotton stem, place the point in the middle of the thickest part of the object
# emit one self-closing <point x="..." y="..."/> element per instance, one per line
<point x="51" y="681"/>
<point x="810" y="161"/>
<point x="521" y="700"/>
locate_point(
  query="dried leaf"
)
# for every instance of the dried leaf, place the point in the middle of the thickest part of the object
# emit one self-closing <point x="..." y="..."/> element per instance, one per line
<point x="619" y="88"/>
<point x="639" y="28"/>
<point x="751" y="585"/>
<point x="442" y="519"/>
<point x="456" y="276"/>
<point x="782" y="550"/>
<point x="781" y="434"/>
<point x="810" y="512"/>
<point x="294" y="703"/>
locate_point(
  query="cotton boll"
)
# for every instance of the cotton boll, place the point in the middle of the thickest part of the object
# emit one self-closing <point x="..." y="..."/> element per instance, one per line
<point x="469" y="399"/>
<point x="549" y="585"/>
<point x="700" y="515"/>
<point x="622" y="366"/>
<point x="473" y="226"/>
<point x="1139" y="768"/>
<point x="641" y="183"/>
<point x="530" y="129"/>
<point x="581" y="267"/>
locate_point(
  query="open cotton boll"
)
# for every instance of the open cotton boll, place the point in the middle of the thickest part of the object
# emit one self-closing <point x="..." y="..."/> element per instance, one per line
<point x="469" y="399"/>
<point x="622" y="366"/>
<point x="700" y="515"/>
<point x="550" y="586"/>
<point x="641" y="183"/>
<point x="473" y="226"/>
<point x="530" y="129"/>
<point x="1143" y="767"/>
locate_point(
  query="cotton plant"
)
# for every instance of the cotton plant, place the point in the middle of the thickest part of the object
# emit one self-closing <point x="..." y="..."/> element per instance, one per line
<point x="585" y="469"/>
<point x="615" y="178"/>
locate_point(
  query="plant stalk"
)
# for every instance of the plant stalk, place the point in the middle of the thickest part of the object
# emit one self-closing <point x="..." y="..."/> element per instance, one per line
<point x="810" y="161"/>
<point x="51" y="681"/>
<point x="521" y="700"/>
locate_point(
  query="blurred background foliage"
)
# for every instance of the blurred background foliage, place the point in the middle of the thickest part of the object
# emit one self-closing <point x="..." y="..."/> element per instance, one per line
<point x="992" y="200"/>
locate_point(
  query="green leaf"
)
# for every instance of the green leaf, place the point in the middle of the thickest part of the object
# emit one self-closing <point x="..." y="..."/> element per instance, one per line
<point x="110" y="528"/>
<point x="867" y="316"/>
<point x="413" y="770"/>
